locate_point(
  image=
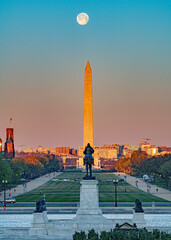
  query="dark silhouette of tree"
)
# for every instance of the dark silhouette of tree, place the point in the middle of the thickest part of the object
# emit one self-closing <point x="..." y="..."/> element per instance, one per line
<point x="159" y="166"/>
<point x="5" y="170"/>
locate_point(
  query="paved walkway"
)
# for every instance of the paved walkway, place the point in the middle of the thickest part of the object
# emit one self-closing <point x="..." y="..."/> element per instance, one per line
<point x="23" y="188"/>
<point x="146" y="187"/>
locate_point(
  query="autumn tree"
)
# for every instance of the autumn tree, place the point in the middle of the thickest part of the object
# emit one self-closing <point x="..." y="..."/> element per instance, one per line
<point x="137" y="157"/>
<point x="123" y="165"/>
<point x="32" y="160"/>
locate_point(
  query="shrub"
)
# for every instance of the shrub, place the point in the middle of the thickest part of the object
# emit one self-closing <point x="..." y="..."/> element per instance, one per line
<point x="143" y="234"/>
<point x="79" y="236"/>
<point x="92" y="235"/>
<point x="156" y="234"/>
<point x="165" y="236"/>
<point x="140" y="234"/>
<point x="133" y="235"/>
<point x="105" y="235"/>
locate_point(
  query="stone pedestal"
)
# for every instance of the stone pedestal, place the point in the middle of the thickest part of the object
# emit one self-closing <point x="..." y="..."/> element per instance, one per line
<point x="88" y="216"/>
<point x="139" y="219"/>
<point x="89" y="198"/>
<point x="38" y="226"/>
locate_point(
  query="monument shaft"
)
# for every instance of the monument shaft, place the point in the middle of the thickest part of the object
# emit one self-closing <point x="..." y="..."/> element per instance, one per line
<point x="88" y="107"/>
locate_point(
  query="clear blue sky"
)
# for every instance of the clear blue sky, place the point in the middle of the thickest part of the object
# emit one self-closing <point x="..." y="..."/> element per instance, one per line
<point x="43" y="53"/>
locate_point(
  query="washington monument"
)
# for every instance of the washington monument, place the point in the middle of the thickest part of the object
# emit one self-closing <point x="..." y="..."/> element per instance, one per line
<point x="88" y="107"/>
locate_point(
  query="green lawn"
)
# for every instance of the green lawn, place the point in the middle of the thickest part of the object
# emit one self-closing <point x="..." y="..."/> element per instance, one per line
<point x="69" y="191"/>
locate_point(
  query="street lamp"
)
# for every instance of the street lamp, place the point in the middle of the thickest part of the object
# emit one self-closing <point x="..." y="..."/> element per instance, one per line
<point x="115" y="183"/>
<point x="4" y="183"/>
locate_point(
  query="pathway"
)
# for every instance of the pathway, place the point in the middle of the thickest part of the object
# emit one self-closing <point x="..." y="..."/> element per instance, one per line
<point x="146" y="187"/>
<point x="23" y="188"/>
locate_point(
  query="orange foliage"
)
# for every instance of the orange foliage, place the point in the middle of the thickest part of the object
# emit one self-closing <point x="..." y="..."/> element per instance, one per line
<point x="123" y="165"/>
<point x="32" y="160"/>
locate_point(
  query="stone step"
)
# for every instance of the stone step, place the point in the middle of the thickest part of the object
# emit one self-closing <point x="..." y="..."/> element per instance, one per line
<point x="21" y="237"/>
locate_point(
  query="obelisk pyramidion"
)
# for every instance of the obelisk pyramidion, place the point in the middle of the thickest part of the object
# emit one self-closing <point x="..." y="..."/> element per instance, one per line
<point x="88" y="107"/>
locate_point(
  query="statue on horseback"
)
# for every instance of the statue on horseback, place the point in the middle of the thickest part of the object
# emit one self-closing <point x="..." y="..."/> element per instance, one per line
<point x="88" y="161"/>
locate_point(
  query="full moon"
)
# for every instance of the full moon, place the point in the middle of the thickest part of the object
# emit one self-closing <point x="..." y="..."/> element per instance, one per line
<point x="82" y="18"/>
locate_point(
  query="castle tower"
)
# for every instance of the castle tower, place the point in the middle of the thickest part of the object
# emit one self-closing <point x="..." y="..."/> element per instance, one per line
<point x="88" y="107"/>
<point x="9" y="144"/>
<point x="10" y="133"/>
<point x="0" y="145"/>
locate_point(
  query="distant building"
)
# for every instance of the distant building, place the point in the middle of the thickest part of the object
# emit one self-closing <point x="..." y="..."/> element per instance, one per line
<point x="144" y="145"/>
<point x="9" y="150"/>
<point x="164" y="149"/>
<point x="62" y="150"/>
<point x="30" y="150"/>
<point x="126" y="146"/>
<point x="128" y="150"/>
<point x="106" y="146"/>
<point x="151" y="150"/>
<point x="69" y="163"/>
<point x="73" y="151"/>
<point x="40" y="149"/>
<point x="118" y="147"/>
<point x="112" y="150"/>
<point x="108" y="153"/>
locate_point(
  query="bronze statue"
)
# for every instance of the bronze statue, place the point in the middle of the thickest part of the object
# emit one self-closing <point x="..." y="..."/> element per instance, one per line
<point x="138" y="206"/>
<point x="40" y="206"/>
<point x="88" y="161"/>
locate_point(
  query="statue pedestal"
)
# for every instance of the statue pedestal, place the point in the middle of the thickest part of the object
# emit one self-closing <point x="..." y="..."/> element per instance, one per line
<point x="138" y="218"/>
<point x="88" y="216"/>
<point x="38" y="226"/>
<point x="89" y="198"/>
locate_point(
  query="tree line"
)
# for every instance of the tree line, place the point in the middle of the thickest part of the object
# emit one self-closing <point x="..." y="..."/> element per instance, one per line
<point x="140" y="163"/>
<point x="28" y="167"/>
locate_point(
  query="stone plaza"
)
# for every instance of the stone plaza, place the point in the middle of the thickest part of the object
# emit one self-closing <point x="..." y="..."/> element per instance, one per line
<point x="88" y="216"/>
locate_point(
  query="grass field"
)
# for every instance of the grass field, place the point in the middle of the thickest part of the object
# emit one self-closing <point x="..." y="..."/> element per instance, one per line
<point x="69" y="191"/>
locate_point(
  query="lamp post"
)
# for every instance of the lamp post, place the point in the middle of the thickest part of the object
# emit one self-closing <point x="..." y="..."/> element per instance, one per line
<point x="4" y="183"/>
<point x="115" y="183"/>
